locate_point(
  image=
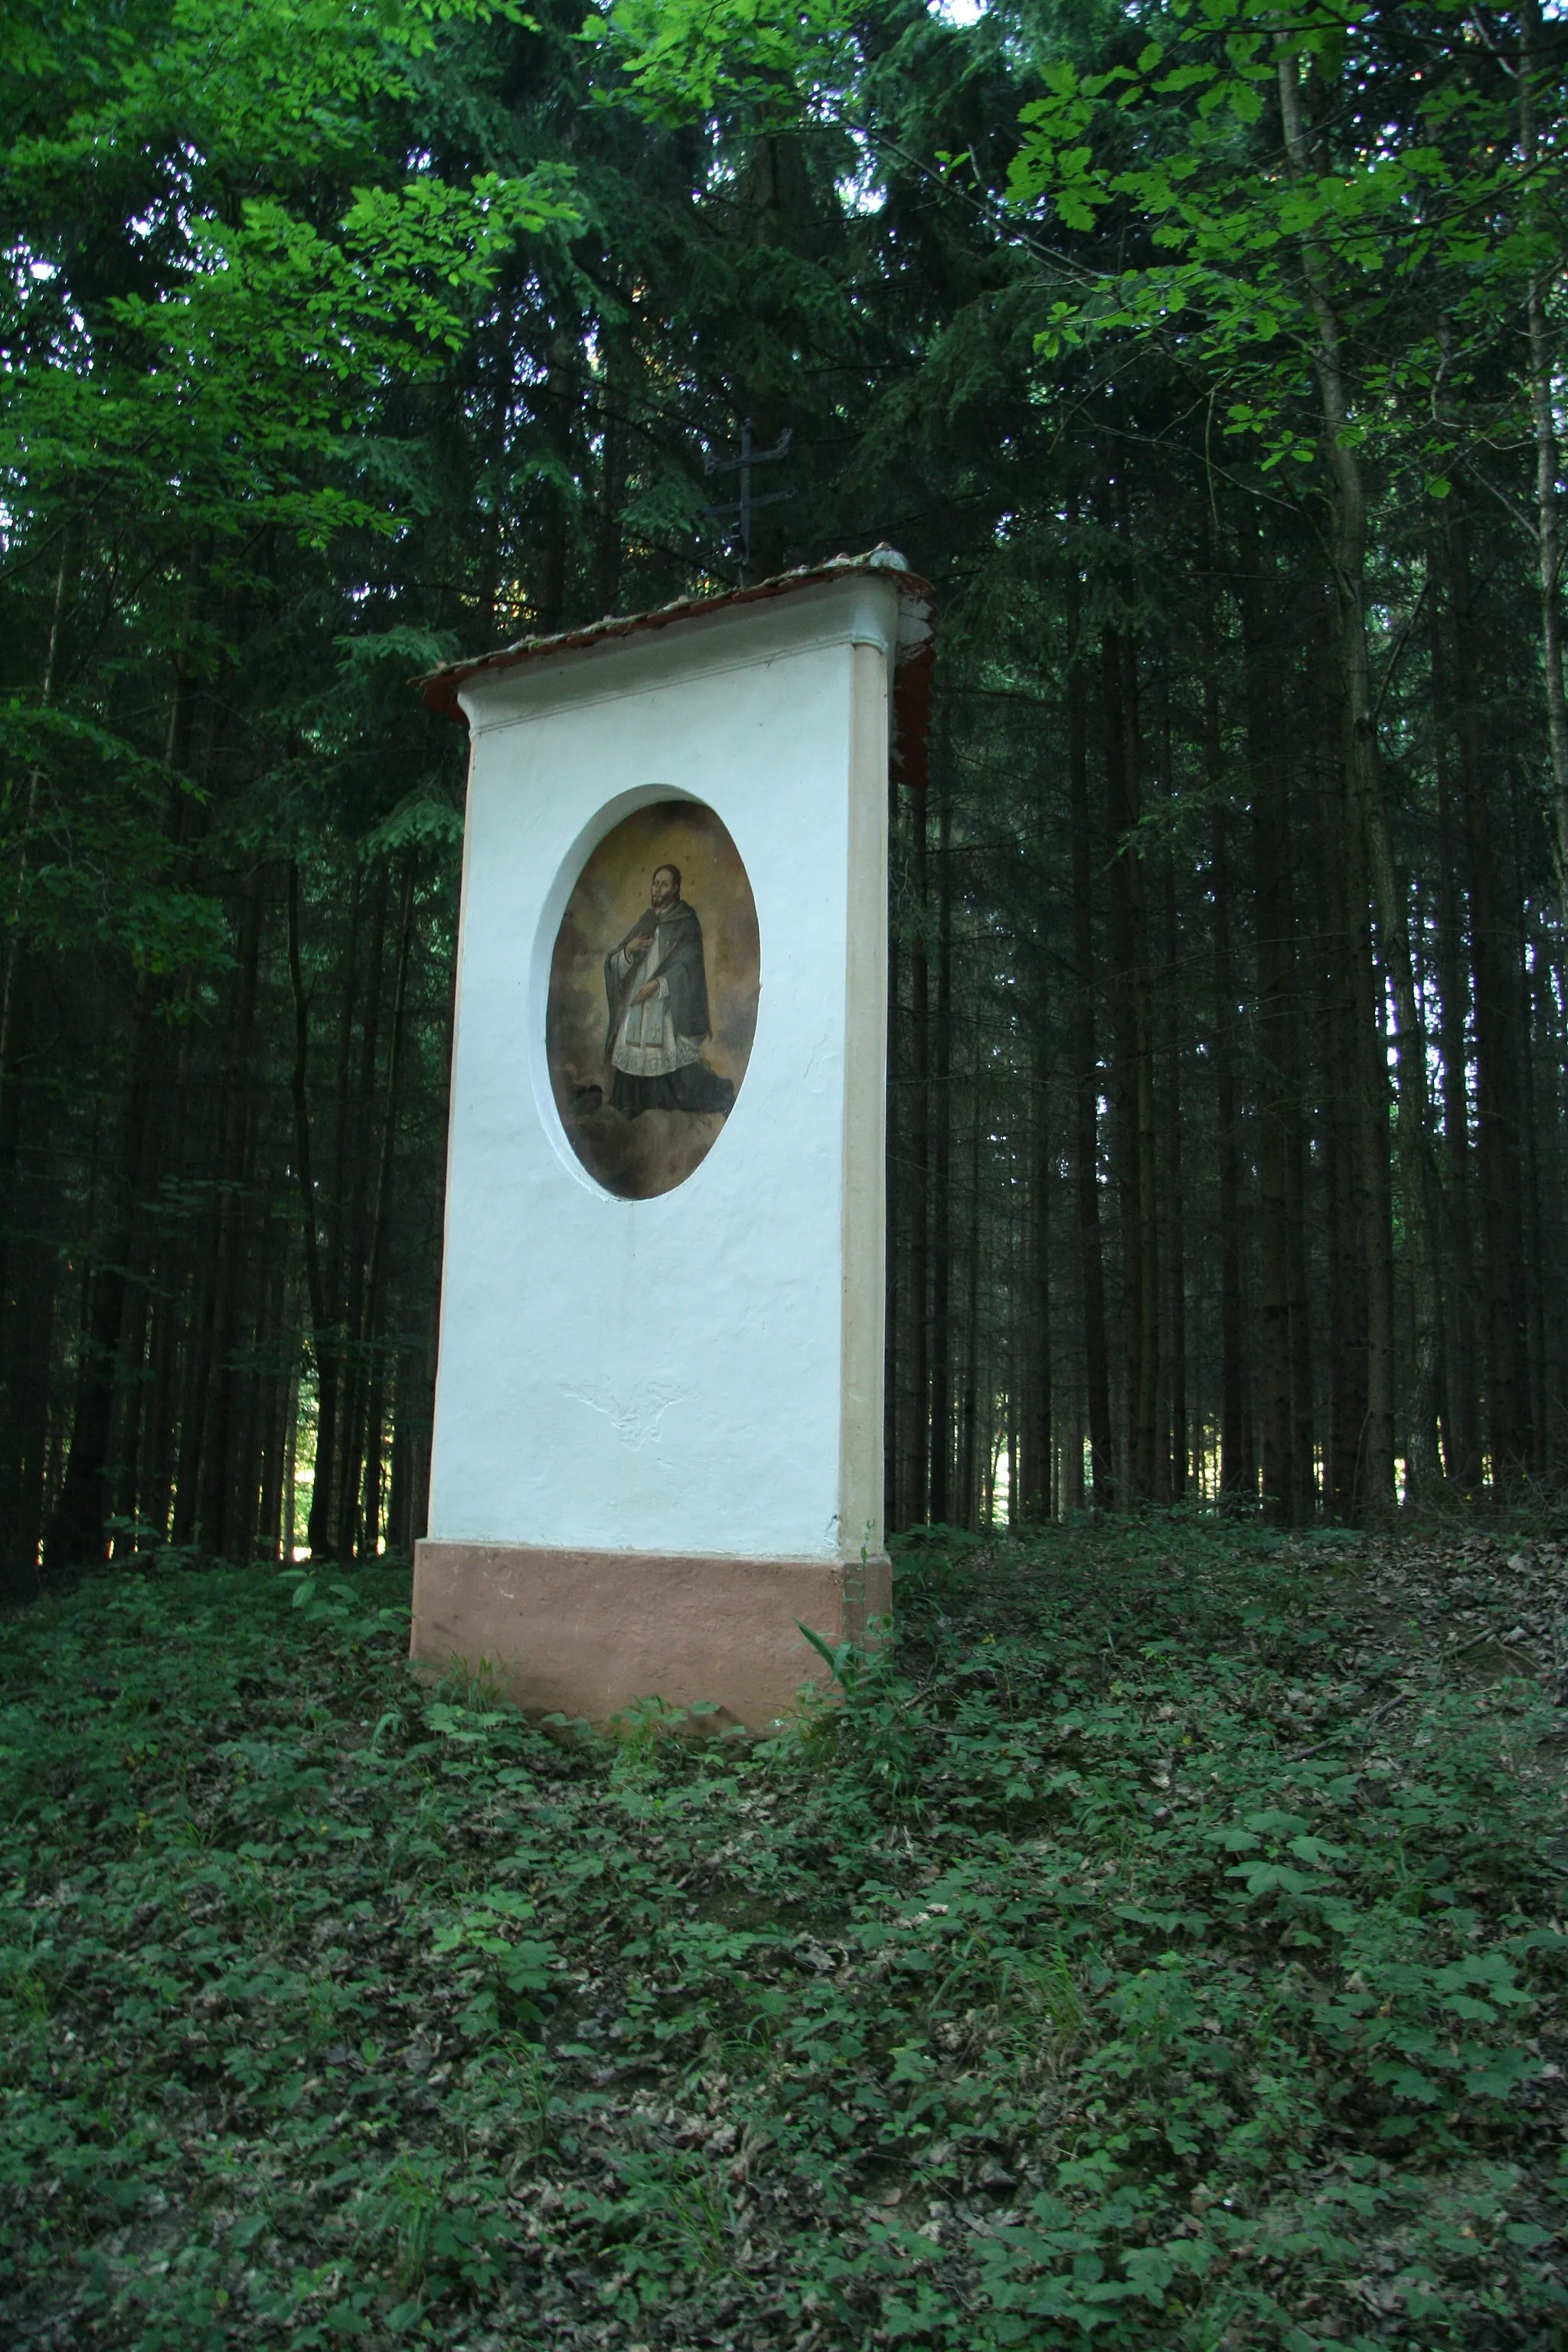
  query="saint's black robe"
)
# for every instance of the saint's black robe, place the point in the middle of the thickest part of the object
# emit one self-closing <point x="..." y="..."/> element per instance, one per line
<point x="681" y="968"/>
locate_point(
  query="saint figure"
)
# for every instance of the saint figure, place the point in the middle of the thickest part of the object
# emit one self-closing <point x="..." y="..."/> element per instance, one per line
<point x="657" y="987"/>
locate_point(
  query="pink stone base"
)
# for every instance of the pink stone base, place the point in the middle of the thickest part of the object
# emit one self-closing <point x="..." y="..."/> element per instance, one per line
<point x="585" y="1633"/>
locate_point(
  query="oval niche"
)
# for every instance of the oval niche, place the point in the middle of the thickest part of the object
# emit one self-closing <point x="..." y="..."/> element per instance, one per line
<point x="653" y="998"/>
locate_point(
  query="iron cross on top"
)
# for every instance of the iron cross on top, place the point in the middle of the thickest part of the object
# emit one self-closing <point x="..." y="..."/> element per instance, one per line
<point x="743" y="506"/>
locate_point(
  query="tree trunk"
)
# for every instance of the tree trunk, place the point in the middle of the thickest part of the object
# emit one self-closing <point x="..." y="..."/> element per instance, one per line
<point x="971" y="1419"/>
<point x="323" y="1331"/>
<point x="1369" y="866"/>
<point x="272" y="1406"/>
<point x="1237" y="1475"/>
<point x="1175" y="1218"/>
<point x="28" y="1279"/>
<point x="290" y="1468"/>
<point x="1460" y="1390"/>
<point x="1533" y="1267"/>
<point x="1085" y="1102"/>
<point x="381" y="1223"/>
<point x="29" y="1352"/>
<point x="1285" y="1361"/>
<point x="1032" y="1473"/>
<point x="1548" y="521"/>
<point x="917" y="1504"/>
<point x="77" y="1531"/>
<point x="1340" y="1038"/>
<point x="8" y="968"/>
<point x="400" y="1484"/>
<point x="557" y="404"/>
<point x="360" y="1210"/>
<point x="894" y="1268"/>
<point x="1499" y="1078"/>
<point x="217" y="1529"/>
<point x="1131" y="1086"/>
<point x="1550" y="998"/>
<point x="491" y="484"/>
<point x="942" y="1418"/>
<point x="617" y="439"/>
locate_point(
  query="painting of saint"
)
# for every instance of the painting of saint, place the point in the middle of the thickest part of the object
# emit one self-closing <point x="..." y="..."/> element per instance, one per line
<point x="653" y="998"/>
<point x="657" y="984"/>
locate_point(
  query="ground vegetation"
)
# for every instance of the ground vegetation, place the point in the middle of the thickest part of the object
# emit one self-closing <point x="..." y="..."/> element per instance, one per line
<point x="1161" y="1947"/>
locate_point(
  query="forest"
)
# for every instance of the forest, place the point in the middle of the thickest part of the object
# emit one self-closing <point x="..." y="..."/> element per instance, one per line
<point x="1153" y="1938"/>
<point x="1207" y="358"/>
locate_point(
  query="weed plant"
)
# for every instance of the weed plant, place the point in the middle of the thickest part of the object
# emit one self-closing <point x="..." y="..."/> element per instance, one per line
<point x="1155" y="1949"/>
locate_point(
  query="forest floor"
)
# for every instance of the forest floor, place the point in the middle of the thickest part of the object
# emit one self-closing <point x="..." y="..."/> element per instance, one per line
<point x="1162" y="1947"/>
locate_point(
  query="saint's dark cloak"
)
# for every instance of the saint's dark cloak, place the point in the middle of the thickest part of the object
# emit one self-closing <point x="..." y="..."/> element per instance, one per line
<point x="680" y="965"/>
<point x="695" y="1086"/>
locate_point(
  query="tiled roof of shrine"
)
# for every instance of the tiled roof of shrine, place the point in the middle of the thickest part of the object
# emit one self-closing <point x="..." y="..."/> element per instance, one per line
<point x="912" y="686"/>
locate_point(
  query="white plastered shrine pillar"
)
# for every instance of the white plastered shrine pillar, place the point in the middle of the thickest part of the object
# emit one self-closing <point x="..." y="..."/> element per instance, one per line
<point x="658" y="1445"/>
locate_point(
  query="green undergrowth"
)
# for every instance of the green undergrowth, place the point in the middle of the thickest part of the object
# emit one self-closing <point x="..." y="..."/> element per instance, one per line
<point x="1160" y="1947"/>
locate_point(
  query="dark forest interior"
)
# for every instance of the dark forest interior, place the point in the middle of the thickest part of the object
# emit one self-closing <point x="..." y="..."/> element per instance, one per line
<point x="1220" y="403"/>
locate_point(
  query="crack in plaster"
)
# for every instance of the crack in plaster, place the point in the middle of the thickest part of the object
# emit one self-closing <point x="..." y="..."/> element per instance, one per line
<point x="635" y="1423"/>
